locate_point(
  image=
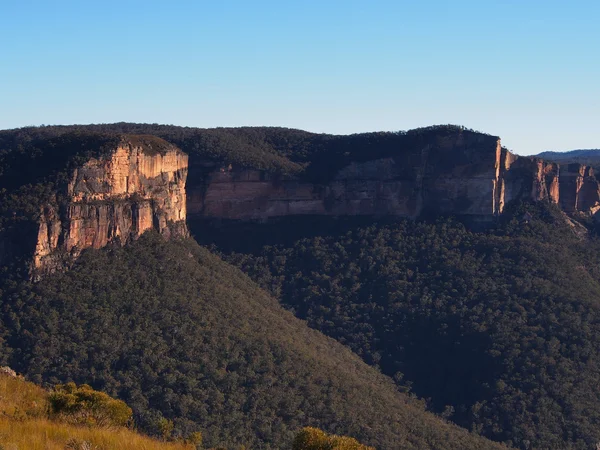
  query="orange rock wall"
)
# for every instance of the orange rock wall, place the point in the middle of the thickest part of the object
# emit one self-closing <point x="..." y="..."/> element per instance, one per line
<point x="115" y="199"/>
<point x="578" y="188"/>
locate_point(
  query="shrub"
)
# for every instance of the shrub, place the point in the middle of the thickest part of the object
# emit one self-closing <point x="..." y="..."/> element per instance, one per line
<point x="195" y="439"/>
<point x="83" y="405"/>
<point x="165" y="428"/>
<point x="310" y="438"/>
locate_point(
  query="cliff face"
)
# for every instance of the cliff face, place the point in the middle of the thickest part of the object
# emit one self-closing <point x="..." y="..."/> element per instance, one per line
<point x="578" y="188"/>
<point x="469" y="176"/>
<point x="451" y="174"/>
<point x="139" y="186"/>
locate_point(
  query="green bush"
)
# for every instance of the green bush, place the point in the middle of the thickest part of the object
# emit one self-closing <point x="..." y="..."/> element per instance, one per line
<point x="195" y="439"/>
<point x="165" y="428"/>
<point x="85" y="406"/>
<point x="310" y="438"/>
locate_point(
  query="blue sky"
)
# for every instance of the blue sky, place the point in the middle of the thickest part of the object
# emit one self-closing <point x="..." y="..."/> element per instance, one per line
<point x="527" y="70"/>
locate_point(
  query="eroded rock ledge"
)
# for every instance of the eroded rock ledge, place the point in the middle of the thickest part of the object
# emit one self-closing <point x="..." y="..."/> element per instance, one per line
<point x="139" y="186"/>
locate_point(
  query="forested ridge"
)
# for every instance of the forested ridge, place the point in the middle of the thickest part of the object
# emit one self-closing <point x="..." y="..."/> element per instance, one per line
<point x="498" y="330"/>
<point x="179" y="334"/>
<point x="36" y="162"/>
<point x="316" y="157"/>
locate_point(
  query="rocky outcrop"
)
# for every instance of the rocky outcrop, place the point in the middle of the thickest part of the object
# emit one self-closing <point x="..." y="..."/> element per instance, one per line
<point x="139" y="186"/>
<point x="529" y="178"/>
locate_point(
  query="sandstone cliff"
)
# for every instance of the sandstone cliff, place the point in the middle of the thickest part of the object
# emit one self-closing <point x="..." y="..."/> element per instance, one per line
<point x="467" y="175"/>
<point x="449" y="174"/>
<point x="139" y="186"/>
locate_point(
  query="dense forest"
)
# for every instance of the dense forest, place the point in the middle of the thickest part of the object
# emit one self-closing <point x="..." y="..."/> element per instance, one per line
<point x="496" y="330"/>
<point x="281" y="150"/>
<point x="179" y="334"/>
<point x="499" y="331"/>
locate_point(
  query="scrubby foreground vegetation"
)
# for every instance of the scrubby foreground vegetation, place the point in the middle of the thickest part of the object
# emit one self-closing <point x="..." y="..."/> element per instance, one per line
<point x="182" y="336"/>
<point x="314" y="439"/>
<point x="32" y="418"/>
<point x="498" y="330"/>
<point x="71" y="417"/>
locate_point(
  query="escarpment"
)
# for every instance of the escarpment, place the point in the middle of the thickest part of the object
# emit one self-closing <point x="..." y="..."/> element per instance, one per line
<point x="135" y="182"/>
<point x="464" y="174"/>
<point x="446" y="174"/>
<point x="139" y="186"/>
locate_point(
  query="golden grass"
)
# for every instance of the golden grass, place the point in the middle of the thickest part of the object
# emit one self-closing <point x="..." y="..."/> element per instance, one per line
<point x="20" y="399"/>
<point x="43" y="434"/>
<point x="24" y="425"/>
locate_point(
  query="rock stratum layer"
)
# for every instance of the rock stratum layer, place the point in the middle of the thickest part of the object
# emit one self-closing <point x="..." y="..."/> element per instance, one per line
<point x="139" y="186"/>
<point x="467" y="175"/>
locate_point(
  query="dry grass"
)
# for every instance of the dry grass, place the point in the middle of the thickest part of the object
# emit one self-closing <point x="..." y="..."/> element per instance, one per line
<point x="20" y="399"/>
<point x="43" y="434"/>
<point x="24" y="425"/>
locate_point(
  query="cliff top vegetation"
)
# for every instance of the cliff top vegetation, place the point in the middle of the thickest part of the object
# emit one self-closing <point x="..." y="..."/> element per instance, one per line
<point x="274" y="149"/>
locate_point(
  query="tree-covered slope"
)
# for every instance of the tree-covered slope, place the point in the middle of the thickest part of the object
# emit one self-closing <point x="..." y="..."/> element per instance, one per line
<point x="499" y="330"/>
<point x="176" y="332"/>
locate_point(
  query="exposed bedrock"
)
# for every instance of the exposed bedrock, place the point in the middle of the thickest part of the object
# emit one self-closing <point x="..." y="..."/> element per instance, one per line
<point x="139" y="186"/>
<point x="472" y="176"/>
<point x="447" y="175"/>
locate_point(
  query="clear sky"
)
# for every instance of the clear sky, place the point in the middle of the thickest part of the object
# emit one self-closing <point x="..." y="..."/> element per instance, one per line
<point x="526" y="70"/>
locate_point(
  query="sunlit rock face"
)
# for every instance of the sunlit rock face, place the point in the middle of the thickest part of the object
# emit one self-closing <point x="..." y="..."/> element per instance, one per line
<point x="139" y="186"/>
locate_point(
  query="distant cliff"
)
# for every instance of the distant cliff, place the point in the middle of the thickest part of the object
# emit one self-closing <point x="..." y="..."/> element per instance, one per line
<point x="92" y="185"/>
<point x="447" y="174"/>
<point x="465" y="174"/>
<point x="139" y="186"/>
